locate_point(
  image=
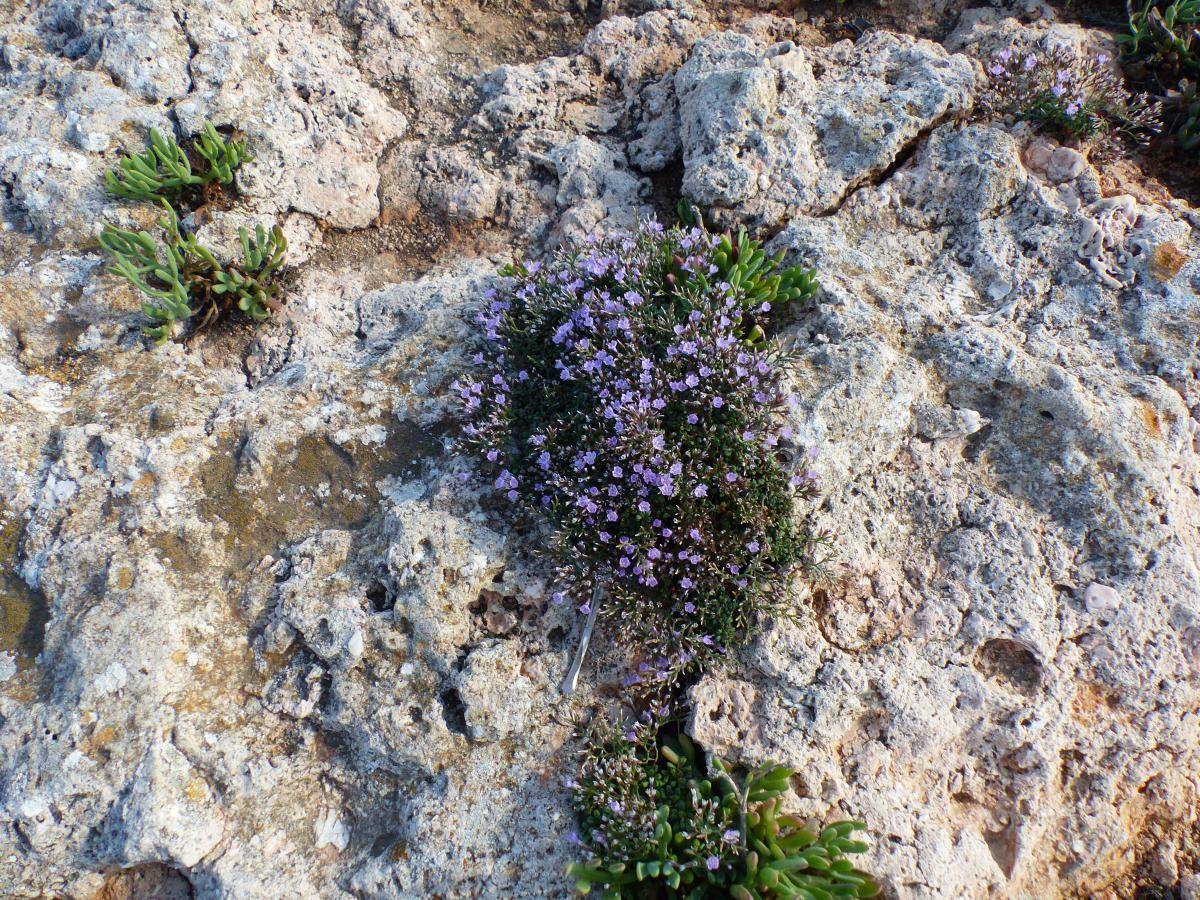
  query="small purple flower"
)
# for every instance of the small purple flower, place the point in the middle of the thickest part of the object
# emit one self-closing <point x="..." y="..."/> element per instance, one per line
<point x="713" y="863"/>
<point x="700" y="490"/>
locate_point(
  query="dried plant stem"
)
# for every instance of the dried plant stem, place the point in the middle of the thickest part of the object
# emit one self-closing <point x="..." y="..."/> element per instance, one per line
<point x="569" y="682"/>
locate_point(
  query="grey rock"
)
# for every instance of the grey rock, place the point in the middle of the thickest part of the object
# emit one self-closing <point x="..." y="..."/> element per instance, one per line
<point x="495" y="693"/>
<point x="168" y="814"/>
<point x="764" y="134"/>
<point x="288" y="652"/>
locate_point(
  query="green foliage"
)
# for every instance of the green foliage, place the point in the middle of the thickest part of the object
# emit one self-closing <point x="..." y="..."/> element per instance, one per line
<point x="1182" y="106"/>
<point x="135" y="258"/>
<point x="628" y="396"/>
<point x="223" y="157"/>
<point x="1166" y="37"/>
<point x="660" y="826"/>
<point x="164" y="171"/>
<point x="186" y="282"/>
<point x="762" y="282"/>
<point x="1162" y="48"/>
<point x="251" y="286"/>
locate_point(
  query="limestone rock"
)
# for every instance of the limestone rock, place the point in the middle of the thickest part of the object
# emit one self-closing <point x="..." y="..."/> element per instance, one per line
<point x="494" y="691"/>
<point x="168" y="814"/>
<point x="282" y="643"/>
<point x="764" y="134"/>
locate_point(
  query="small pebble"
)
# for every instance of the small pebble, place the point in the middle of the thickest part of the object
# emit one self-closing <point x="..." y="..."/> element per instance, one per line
<point x="1065" y="165"/>
<point x="1101" y="600"/>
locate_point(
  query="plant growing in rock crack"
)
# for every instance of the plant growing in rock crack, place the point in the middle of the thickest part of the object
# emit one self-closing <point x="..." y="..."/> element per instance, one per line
<point x="659" y="825"/>
<point x="626" y="392"/>
<point x="1072" y="98"/>
<point x="186" y="283"/>
<point x="165" y="172"/>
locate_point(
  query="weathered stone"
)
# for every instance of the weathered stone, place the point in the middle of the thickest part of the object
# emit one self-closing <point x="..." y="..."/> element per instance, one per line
<point x="764" y="134"/>
<point x="265" y="665"/>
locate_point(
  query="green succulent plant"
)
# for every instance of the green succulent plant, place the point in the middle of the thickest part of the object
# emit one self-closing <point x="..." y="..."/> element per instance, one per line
<point x="164" y="171"/>
<point x="135" y="258"/>
<point x="1182" y="108"/>
<point x="187" y="284"/>
<point x="1165" y="35"/>
<point x="764" y="283"/>
<point x="660" y="826"/>
<point x="223" y="157"/>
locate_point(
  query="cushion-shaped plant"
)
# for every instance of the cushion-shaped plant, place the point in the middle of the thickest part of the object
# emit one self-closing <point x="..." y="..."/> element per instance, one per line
<point x="658" y="825"/>
<point x="627" y="392"/>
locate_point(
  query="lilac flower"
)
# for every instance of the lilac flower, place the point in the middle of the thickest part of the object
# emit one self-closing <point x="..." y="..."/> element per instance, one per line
<point x="713" y="863"/>
<point x="631" y="414"/>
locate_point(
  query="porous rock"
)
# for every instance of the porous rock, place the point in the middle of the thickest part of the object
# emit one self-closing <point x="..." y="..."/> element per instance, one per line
<point x="288" y="652"/>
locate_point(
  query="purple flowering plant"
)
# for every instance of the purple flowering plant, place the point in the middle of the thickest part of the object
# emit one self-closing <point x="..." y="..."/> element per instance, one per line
<point x="627" y="393"/>
<point x="1072" y="97"/>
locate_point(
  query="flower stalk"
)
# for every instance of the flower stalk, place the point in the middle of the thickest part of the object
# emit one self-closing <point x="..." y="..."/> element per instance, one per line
<point x="571" y="680"/>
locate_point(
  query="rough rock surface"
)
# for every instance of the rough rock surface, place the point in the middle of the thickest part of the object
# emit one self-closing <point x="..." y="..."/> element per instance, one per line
<point x="256" y="634"/>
